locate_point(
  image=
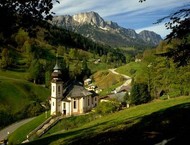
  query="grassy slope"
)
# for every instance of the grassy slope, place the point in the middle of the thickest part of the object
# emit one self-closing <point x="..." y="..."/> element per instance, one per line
<point x="97" y="67"/>
<point x="16" y="92"/>
<point x="133" y="69"/>
<point x="20" y="134"/>
<point x="107" y="81"/>
<point x="144" y="124"/>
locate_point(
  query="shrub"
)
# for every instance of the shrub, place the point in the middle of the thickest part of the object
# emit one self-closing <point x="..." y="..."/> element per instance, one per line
<point x="107" y="107"/>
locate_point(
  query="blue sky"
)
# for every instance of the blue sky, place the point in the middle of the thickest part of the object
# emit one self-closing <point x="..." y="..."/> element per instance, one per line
<point x="127" y="13"/>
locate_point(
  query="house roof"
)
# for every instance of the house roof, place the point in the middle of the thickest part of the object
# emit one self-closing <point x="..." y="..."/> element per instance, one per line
<point x="125" y="89"/>
<point x="75" y="90"/>
<point x="88" y="80"/>
<point x="66" y="100"/>
<point x="118" y="96"/>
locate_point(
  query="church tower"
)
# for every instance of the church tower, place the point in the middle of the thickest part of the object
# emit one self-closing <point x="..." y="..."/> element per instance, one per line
<point x="56" y="90"/>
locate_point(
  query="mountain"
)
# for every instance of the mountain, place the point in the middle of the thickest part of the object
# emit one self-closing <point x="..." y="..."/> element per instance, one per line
<point x="93" y="26"/>
<point x="150" y="36"/>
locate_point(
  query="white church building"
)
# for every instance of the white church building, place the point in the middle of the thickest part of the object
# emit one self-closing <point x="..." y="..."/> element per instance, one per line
<point x="69" y="99"/>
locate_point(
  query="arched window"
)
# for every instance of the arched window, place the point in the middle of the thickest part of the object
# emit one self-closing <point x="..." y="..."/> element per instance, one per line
<point x="53" y="88"/>
<point x="74" y="104"/>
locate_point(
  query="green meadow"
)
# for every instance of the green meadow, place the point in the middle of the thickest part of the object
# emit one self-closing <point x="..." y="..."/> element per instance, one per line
<point x="144" y="124"/>
<point x="19" y="98"/>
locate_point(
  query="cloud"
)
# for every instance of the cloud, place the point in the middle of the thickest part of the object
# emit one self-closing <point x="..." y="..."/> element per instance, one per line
<point x="108" y="8"/>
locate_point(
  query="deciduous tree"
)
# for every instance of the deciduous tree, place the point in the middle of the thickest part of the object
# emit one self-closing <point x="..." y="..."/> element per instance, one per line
<point x="26" y="14"/>
<point x="6" y="59"/>
<point x="179" y="23"/>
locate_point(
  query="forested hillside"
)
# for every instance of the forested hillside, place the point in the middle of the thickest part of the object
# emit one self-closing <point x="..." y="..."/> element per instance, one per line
<point x="156" y="75"/>
<point x="28" y="49"/>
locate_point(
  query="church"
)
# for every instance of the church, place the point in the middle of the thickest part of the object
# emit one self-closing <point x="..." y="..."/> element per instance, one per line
<point x="69" y="99"/>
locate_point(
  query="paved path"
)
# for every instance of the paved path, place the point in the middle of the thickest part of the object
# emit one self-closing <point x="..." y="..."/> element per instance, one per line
<point x="11" y="128"/>
<point x="126" y="83"/>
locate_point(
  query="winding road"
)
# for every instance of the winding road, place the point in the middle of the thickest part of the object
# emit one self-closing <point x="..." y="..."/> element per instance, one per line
<point x="11" y="128"/>
<point x="126" y="83"/>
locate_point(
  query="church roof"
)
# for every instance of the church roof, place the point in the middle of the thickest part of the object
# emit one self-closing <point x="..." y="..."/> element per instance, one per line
<point x="75" y="90"/>
<point x="57" y="67"/>
<point x="57" y="71"/>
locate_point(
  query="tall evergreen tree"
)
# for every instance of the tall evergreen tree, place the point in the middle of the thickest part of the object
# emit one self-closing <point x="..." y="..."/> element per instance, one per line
<point x="140" y="94"/>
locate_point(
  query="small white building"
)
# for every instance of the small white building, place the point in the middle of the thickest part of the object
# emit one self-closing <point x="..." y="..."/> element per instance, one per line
<point x="69" y="99"/>
<point x="87" y="81"/>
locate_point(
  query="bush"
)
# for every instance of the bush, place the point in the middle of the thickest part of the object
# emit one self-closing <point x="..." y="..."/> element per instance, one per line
<point x="107" y="107"/>
<point x="6" y="118"/>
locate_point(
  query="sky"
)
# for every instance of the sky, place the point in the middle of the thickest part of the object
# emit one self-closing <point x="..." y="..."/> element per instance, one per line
<point x="127" y="13"/>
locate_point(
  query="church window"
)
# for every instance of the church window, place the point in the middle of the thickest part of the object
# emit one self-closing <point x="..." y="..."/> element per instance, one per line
<point x="53" y="103"/>
<point x="92" y="99"/>
<point x="58" y="89"/>
<point x="75" y="105"/>
<point x="64" y="106"/>
<point x="53" y="88"/>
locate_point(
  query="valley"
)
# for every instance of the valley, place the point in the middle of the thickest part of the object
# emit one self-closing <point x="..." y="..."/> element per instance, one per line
<point x="82" y="78"/>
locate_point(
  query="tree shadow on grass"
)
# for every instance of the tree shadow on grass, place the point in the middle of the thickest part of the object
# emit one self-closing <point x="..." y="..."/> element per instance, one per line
<point x="76" y="133"/>
<point x="168" y="126"/>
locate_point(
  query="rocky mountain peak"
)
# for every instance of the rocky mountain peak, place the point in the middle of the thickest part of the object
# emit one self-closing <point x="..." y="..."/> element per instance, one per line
<point x="92" y="18"/>
<point x="93" y="26"/>
<point x="150" y="36"/>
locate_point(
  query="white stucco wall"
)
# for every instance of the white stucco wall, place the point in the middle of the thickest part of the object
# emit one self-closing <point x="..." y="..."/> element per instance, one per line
<point x="81" y="105"/>
<point x="67" y="108"/>
<point x="88" y="103"/>
<point x="53" y="106"/>
<point x="57" y="89"/>
<point x="56" y="95"/>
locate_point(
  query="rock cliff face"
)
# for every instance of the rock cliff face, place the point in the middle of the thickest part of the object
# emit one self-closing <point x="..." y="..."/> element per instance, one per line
<point x="91" y="18"/>
<point x="149" y="36"/>
<point x="93" y="26"/>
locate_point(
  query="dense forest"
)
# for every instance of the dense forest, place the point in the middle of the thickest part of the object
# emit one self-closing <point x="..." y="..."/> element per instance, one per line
<point x="33" y="47"/>
<point x="163" y="74"/>
<point x="35" y="55"/>
<point x="164" y="71"/>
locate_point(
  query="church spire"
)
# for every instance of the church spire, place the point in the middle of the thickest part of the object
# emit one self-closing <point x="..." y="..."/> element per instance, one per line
<point x="57" y="65"/>
<point x="57" y="70"/>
